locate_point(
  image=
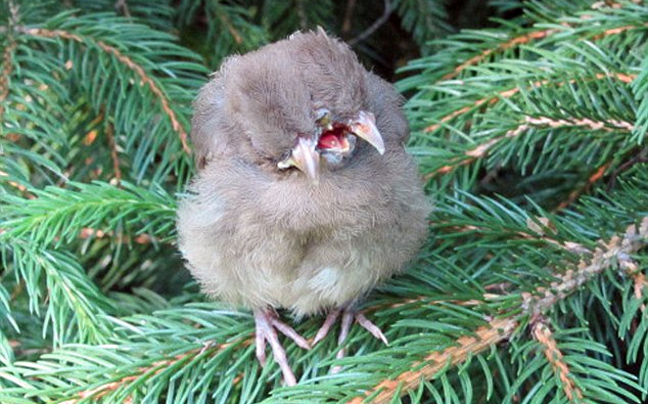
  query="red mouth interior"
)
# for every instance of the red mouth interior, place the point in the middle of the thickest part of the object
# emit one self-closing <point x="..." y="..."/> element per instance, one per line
<point x="334" y="138"/>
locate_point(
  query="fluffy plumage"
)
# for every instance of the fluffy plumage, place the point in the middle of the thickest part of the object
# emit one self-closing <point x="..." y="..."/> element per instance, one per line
<point x="259" y="236"/>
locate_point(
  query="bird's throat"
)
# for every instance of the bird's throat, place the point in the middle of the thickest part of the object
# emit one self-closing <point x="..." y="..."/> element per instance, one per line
<point x="336" y="139"/>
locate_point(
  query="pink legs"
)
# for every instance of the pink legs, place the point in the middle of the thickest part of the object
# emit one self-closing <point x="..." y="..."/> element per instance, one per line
<point x="348" y="315"/>
<point x="267" y="325"/>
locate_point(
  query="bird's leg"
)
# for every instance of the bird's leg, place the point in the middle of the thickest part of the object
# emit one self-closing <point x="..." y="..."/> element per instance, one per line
<point x="371" y="327"/>
<point x="267" y="324"/>
<point x="345" y="327"/>
<point x="348" y="316"/>
<point x="326" y="325"/>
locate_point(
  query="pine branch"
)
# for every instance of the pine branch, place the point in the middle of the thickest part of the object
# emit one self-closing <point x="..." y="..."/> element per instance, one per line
<point x="603" y="259"/>
<point x="529" y="37"/>
<point x="502" y="329"/>
<point x="129" y="63"/>
<point x="544" y="335"/>
<point x="126" y="55"/>
<point x="640" y="87"/>
<point x="495" y="44"/>
<point x="60" y="216"/>
<point x="484" y="338"/>
<point x="209" y="349"/>
<point x="502" y="47"/>
<point x="75" y="305"/>
<point x="532" y="287"/>
<point x="623" y="77"/>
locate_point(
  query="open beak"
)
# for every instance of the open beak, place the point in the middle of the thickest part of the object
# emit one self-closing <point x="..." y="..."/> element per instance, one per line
<point x="335" y="142"/>
<point x="305" y="158"/>
<point x="365" y="128"/>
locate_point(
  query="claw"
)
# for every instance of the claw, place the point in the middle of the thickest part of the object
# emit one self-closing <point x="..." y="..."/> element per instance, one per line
<point x="326" y="325"/>
<point x="371" y="327"/>
<point x="348" y="316"/>
<point x="267" y="325"/>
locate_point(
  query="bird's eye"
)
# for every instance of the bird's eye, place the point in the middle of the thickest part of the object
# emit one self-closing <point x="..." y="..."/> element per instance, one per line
<point x="285" y="155"/>
<point x="323" y="117"/>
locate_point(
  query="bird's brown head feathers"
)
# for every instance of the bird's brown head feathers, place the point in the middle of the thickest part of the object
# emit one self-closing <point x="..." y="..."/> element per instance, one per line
<point x="303" y="104"/>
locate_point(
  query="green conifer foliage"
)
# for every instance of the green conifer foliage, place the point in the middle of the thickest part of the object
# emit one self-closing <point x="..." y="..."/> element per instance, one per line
<point x="531" y="137"/>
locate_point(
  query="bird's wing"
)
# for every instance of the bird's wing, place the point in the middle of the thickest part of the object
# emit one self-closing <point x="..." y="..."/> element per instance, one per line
<point x="208" y="133"/>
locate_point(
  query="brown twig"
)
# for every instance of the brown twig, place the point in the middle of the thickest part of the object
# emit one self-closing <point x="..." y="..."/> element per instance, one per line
<point x="490" y="100"/>
<point x="641" y="157"/>
<point x="476" y="152"/>
<point x="600" y="173"/>
<point x="348" y="17"/>
<point x="7" y="62"/>
<point x="640" y="287"/>
<point x="110" y="134"/>
<point x="519" y="40"/>
<point x="603" y="257"/>
<point x="608" y="125"/>
<point x="20" y="187"/>
<point x="528" y="37"/>
<point x="139" y="70"/>
<point x="615" y="31"/>
<point x="594" y="177"/>
<point x="7" y="70"/>
<point x="623" y="77"/>
<point x="373" y="27"/>
<point x="238" y="38"/>
<point x="482" y="150"/>
<point x="524" y="39"/>
<point x="87" y="233"/>
<point x="484" y="337"/>
<point x="301" y="14"/>
<point x="122" y="5"/>
<point x="486" y="297"/>
<point x="544" y="335"/>
<point x="537" y="234"/>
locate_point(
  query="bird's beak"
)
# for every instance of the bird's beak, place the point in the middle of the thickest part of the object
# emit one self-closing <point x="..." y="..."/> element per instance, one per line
<point x="305" y="158"/>
<point x="365" y="127"/>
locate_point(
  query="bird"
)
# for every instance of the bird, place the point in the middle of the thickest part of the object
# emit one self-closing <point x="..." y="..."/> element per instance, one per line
<point x="304" y="197"/>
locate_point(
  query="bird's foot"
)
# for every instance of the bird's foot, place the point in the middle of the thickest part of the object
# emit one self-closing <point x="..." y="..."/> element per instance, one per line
<point x="348" y="315"/>
<point x="267" y="325"/>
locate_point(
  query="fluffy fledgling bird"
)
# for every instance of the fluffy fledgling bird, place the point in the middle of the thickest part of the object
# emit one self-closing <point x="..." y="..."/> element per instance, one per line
<point x="305" y="197"/>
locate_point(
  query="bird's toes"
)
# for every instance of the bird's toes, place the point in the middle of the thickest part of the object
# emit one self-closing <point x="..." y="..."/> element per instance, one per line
<point x="348" y="317"/>
<point x="267" y="324"/>
<point x="290" y="332"/>
<point x="260" y="348"/>
<point x="331" y="318"/>
<point x="371" y="327"/>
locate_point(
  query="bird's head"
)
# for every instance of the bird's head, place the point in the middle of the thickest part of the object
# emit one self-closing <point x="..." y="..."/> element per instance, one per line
<point x="331" y="143"/>
<point x="302" y="105"/>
